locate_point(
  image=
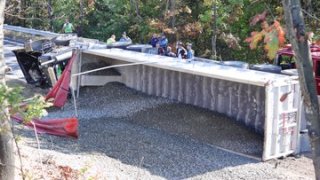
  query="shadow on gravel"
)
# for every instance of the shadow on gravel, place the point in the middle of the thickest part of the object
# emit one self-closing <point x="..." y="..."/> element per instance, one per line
<point x="166" y="138"/>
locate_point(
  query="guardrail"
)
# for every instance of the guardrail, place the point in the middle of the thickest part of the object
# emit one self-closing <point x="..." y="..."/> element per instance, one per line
<point x="22" y="34"/>
<point x="31" y="31"/>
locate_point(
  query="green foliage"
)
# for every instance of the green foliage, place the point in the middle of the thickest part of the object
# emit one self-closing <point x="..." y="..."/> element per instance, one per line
<point x="190" y="21"/>
<point x="11" y="97"/>
<point x="35" y="108"/>
<point x="206" y="16"/>
<point x="272" y="45"/>
<point x="28" y="109"/>
<point x="63" y="9"/>
<point x="273" y="36"/>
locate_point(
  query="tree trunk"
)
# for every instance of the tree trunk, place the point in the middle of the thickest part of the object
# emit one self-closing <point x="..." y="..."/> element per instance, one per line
<point x="22" y="12"/>
<point x="214" y="32"/>
<point x="136" y="7"/>
<point x="297" y="36"/>
<point x="6" y="141"/>
<point x="79" y="30"/>
<point x="173" y="10"/>
<point x="166" y="10"/>
<point x="135" y="4"/>
<point x="50" y="14"/>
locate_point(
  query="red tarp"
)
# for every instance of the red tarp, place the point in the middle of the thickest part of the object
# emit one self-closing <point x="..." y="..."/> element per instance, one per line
<point x="58" y="127"/>
<point x="59" y="94"/>
<point x="60" y="90"/>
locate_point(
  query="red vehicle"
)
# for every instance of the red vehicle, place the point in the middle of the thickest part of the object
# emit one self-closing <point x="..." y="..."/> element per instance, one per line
<point x="285" y="59"/>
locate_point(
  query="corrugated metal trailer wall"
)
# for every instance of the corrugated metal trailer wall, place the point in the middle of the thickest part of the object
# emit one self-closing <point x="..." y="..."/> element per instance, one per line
<point x="283" y="118"/>
<point x="242" y="102"/>
<point x="272" y="109"/>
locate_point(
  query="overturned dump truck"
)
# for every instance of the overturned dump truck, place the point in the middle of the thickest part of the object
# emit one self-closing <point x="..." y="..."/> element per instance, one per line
<point x="268" y="103"/>
<point x="42" y="61"/>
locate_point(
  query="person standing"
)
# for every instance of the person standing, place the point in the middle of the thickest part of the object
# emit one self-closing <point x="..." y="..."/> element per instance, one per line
<point x="180" y="50"/>
<point x="111" y="40"/>
<point x="169" y="52"/>
<point x="154" y="40"/>
<point x="190" y="52"/>
<point x="160" y="49"/>
<point x="163" y="41"/>
<point x="67" y="27"/>
<point x="124" y="38"/>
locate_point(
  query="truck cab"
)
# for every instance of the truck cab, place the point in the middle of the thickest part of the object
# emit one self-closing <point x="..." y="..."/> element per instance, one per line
<point x="285" y="59"/>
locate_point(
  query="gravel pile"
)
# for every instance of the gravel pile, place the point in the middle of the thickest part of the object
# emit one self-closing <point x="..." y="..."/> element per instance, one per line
<point x="117" y="101"/>
<point x="125" y="134"/>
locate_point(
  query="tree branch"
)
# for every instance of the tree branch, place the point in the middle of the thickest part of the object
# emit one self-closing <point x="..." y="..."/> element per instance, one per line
<point x="33" y="18"/>
<point x="265" y="4"/>
<point x="18" y="151"/>
<point x="24" y="18"/>
<point x="310" y="15"/>
<point x="38" y="143"/>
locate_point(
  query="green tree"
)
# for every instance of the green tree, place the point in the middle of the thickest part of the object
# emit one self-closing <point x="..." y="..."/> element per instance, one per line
<point x="6" y="141"/>
<point x="11" y="97"/>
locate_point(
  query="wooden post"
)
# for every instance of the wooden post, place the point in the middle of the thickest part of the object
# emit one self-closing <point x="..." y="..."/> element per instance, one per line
<point x="214" y="32"/>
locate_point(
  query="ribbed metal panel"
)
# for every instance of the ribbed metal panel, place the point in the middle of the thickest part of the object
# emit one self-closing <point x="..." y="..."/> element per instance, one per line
<point x="244" y="103"/>
<point x="282" y="122"/>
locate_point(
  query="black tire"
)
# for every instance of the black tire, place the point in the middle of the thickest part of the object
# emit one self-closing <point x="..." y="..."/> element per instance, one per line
<point x="62" y="42"/>
<point x="238" y="64"/>
<point x="267" y="68"/>
<point x="120" y="45"/>
<point x="138" y="47"/>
